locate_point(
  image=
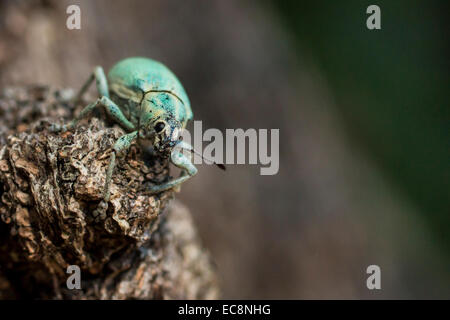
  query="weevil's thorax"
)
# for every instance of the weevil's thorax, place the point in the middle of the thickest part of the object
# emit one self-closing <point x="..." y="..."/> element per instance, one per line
<point x="160" y="115"/>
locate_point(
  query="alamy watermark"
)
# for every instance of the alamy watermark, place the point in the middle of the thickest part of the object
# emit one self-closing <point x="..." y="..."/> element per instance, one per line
<point x="374" y="280"/>
<point x="236" y="146"/>
<point x="373" y="22"/>
<point x="74" y="280"/>
<point x="74" y="19"/>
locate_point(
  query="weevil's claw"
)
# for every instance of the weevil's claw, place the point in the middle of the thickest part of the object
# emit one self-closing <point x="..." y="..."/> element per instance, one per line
<point x="100" y="212"/>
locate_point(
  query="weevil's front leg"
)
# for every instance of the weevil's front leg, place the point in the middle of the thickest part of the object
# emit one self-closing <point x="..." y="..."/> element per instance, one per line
<point x="112" y="109"/>
<point x="123" y="143"/>
<point x="182" y="162"/>
<point x="101" y="82"/>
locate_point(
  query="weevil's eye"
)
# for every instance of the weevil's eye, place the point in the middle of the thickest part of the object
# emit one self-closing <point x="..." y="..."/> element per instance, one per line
<point x="159" y="127"/>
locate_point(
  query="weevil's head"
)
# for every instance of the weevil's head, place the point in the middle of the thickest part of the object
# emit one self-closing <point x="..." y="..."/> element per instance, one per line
<point x="167" y="134"/>
<point x="160" y="121"/>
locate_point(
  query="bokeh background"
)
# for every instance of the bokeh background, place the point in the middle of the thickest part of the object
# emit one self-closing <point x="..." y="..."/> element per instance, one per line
<point x="363" y="118"/>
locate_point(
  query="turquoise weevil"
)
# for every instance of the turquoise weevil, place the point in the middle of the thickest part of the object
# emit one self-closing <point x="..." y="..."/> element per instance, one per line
<point x="148" y="101"/>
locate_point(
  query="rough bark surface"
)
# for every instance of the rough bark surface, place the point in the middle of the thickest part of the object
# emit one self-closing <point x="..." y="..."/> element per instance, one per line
<point x="50" y="184"/>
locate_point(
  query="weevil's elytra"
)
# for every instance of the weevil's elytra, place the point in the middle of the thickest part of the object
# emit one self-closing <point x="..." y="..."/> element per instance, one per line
<point x="149" y="102"/>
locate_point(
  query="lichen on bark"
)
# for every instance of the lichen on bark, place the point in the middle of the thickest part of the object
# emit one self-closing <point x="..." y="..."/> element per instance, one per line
<point x="145" y="248"/>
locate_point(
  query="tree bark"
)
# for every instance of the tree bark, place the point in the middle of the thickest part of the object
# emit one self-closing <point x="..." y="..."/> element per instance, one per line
<point x="50" y="184"/>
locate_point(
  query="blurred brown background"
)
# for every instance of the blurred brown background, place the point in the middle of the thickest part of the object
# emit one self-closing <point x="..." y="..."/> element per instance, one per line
<point x="308" y="232"/>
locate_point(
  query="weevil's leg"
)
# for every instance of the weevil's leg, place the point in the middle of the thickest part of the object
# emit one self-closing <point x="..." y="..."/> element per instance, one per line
<point x="101" y="82"/>
<point x="182" y="162"/>
<point x="112" y="109"/>
<point x="123" y="143"/>
<point x="100" y="79"/>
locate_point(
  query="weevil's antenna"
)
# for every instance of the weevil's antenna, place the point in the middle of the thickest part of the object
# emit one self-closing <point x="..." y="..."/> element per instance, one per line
<point x="220" y="165"/>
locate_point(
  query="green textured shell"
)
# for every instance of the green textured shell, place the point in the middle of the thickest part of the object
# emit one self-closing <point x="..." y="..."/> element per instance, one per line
<point x="132" y="77"/>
